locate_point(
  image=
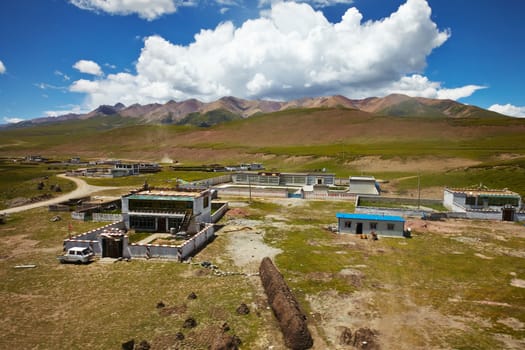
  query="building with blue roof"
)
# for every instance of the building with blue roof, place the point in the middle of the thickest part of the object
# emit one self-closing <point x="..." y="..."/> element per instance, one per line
<point x="382" y="225"/>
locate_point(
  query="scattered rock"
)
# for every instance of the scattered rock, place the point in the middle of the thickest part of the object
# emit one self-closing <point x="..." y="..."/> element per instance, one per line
<point x="516" y="282"/>
<point x="160" y="305"/>
<point x="173" y="310"/>
<point x="143" y="345"/>
<point x="192" y="296"/>
<point x="225" y="327"/>
<point x="129" y="345"/>
<point x="243" y="309"/>
<point x="346" y="337"/>
<point x="55" y="218"/>
<point x="226" y="342"/>
<point x="190" y="323"/>
<point x="179" y="336"/>
<point x="365" y="338"/>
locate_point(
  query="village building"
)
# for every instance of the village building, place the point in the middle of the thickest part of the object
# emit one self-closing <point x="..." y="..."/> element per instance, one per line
<point x="167" y="210"/>
<point x="283" y="179"/>
<point x="381" y="225"/>
<point x="364" y="185"/>
<point x="483" y="203"/>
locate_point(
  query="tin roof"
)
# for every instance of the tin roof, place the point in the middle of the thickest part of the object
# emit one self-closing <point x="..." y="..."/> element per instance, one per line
<point x="370" y="217"/>
<point x="484" y="192"/>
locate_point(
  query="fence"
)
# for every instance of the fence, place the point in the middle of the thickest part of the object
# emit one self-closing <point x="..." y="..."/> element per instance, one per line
<point x="219" y="213"/>
<point x="103" y="217"/>
<point x="178" y="252"/>
<point x="206" y="183"/>
<point x="237" y="191"/>
<point x="91" y="238"/>
<point x="329" y="195"/>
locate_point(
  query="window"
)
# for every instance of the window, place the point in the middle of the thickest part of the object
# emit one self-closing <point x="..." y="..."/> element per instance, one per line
<point x="348" y="224"/>
<point x="373" y="225"/>
<point x="206" y="202"/>
<point x="142" y="222"/>
<point x="390" y="227"/>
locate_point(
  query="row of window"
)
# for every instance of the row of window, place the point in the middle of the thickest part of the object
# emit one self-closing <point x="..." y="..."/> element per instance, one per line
<point x="372" y="225"/>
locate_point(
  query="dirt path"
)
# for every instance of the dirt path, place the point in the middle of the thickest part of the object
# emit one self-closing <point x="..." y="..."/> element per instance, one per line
<point x="83" y="189"/>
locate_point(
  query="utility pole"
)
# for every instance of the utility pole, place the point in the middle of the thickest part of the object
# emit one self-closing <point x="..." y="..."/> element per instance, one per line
<point x="418" y="190"/>
<point x="250" y="188"/>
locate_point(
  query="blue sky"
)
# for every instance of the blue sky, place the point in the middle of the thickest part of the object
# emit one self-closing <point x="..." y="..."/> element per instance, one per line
<point x="61" y="56"/>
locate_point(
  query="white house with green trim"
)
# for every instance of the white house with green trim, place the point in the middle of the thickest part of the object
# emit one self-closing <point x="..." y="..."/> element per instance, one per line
<point x="167" y="210"/>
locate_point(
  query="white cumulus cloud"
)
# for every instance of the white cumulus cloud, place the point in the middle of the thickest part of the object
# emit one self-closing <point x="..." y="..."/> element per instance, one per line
<point x="12" y="120"/>
<point x="290" y="51"/>
<point x="508" y="109"/>
<point x="314" y="3"/>
<point x="88" y="67"/>
<point x="2" y="68"/>
<point x="146" y="9"/>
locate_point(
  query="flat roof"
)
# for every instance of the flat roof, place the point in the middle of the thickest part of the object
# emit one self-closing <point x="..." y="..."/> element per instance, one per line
<point x="484" y="192"/>
<point x="166" y="195"/>
<point x="371" y="217"/>
<point x="362" y="178"/>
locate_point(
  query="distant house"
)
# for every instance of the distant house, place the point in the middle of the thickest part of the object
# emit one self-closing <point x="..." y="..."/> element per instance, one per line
<point x="125" y="169"/>
<point x="129" y="169"/>
<point x="167" y="210"/>
<point x="382" y="225"/>
<point x="35" y="158"/>
<point x="284" y="179"/>
<point x="363" y="185"/>
<point x="483" y="203"/>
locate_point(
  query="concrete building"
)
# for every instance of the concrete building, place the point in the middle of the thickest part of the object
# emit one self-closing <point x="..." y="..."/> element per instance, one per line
<point x="283" y="179"/>
<point x="364" y="185"/>
<point x="382" y="225"/>
<point x="483" y="203"/>
<point x="167" y="210"/>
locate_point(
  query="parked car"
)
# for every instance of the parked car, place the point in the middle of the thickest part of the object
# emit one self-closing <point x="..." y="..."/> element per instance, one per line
<point x="78" y="255"/>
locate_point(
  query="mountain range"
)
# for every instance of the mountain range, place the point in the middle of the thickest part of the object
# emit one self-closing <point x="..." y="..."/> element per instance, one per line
<point x="195" y="112"/>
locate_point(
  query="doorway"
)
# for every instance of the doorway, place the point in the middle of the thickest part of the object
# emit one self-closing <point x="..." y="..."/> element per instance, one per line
<point x="359" y="228"/>
<point x="112" y="247"/>
<point x="507" y="213"/>
<point x="161" y="225"/>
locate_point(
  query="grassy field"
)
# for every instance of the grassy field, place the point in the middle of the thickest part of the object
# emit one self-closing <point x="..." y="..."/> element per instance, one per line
<point x="20" y="181"/>
<point x="450" y="286"/>
<point x="456" y="284"/>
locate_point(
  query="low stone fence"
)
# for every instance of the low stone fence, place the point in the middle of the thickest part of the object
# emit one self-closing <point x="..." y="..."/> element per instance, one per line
<point x="166" y="251"/>
<point x="206" y="183"/>
<point x="329" y="196"/>
<point x="392" y="211"/>
<point x="91" y="238"/>
<point x="219" y="213"/>
<point x="238" y="191"/>
<point x="103" y="217"/>
<point x="78" y="216"/>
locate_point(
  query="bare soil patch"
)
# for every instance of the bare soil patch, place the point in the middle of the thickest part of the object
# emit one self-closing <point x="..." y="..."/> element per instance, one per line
<point x="247" y="247"/>
<point x="377" y="164"/>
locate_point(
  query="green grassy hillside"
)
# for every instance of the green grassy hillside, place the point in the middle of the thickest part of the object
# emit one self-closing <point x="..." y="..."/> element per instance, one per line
<point x="344" y="141"/>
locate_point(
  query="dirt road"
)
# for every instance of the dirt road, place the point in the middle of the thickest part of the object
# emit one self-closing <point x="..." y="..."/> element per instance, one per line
<point x="83" y="189"/>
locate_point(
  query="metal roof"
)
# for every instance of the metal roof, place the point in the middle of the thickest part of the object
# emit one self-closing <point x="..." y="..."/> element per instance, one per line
<point x="150" y="197"/>
<point x="370" y="217"/>
<point x="483" y="192"/>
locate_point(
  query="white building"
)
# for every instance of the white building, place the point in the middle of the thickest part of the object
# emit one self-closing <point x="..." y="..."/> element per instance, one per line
<point x="167" y="210"/>
<point x="363" y="185"/>
<point x="483" y="203"/>
<point x="382" y="225"/>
